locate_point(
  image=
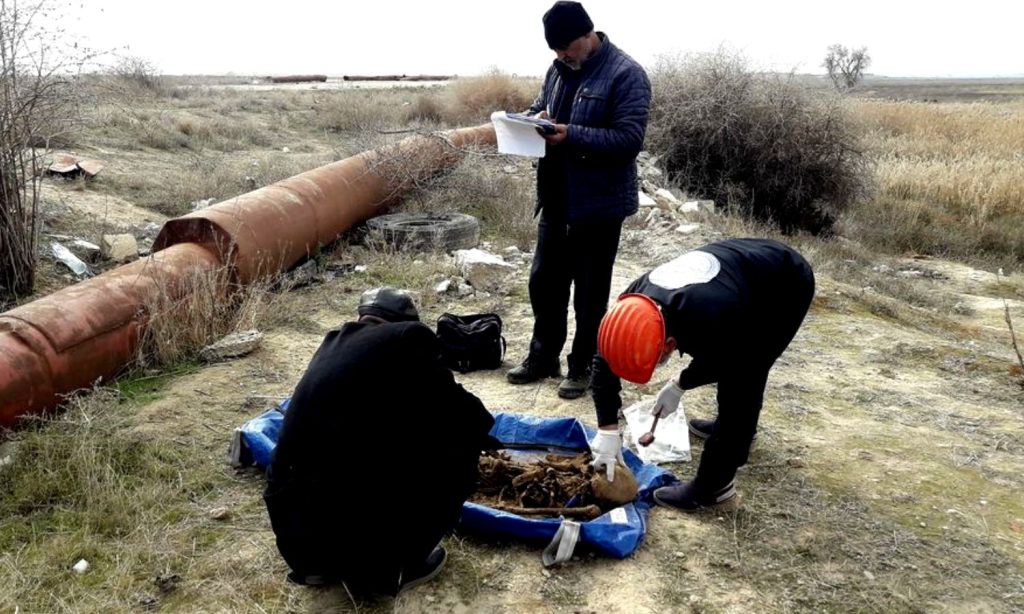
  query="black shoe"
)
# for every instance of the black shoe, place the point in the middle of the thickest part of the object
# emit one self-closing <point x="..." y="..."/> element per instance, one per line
<point x="533" y="370"/>
<point x="310" y="580"/>
<point x="425" y="571"/>
<point x="701" y="429"/>
<point x="684" y="497"/>
<point x="574" y="385"/>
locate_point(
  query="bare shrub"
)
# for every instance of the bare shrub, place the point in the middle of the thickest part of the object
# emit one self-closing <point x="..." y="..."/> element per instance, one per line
<point x="137" y="71"/>
<point x="426" y="108"/>
<point x="473" y="99"/>
<point x="38" y="102"/>
<point x="1013" y="342"/>
<point x="360" y="110"/>
<point x="758" y="143"/>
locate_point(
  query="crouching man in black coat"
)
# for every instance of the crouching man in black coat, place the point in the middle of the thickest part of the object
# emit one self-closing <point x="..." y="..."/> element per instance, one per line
<point x="733" y="306"/>
<point x="378" y="451"/>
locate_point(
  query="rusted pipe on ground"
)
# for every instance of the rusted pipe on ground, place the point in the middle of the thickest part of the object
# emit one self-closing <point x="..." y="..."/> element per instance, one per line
<point x="66" y="341"/>
<point x="63" y="342"/>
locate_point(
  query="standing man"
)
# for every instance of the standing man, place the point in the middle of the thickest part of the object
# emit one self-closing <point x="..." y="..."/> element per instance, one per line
<point x="733" y="306"/>
<point x="599" y="99"/>
<point x="378" y="451"/>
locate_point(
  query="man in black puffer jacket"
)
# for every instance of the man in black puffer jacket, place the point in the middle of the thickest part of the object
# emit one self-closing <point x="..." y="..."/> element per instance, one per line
<point x="599" y="99"/>
<point x="378" y="451"/>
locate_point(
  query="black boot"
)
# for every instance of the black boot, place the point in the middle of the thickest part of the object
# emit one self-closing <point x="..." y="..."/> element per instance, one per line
<point x="575" y="384"/>
<point x="418" y="574"/>
<point x="686" y="498"/>
<point x="701" y="429"/>
<point x="532" y="370"/>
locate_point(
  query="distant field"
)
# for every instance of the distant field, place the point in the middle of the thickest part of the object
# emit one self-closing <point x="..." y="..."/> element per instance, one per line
<point x="949" y="175"/>
<point x="942" y="90"/>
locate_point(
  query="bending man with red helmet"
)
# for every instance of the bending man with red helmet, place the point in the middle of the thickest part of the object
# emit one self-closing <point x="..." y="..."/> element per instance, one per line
<point x="733" y="306"/>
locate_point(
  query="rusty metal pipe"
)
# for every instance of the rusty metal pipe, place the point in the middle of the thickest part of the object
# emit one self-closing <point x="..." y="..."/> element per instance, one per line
<point x="68" y="340"/>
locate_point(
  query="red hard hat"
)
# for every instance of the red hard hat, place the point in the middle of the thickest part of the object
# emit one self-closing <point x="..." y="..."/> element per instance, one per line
<point x="632" y="337"/>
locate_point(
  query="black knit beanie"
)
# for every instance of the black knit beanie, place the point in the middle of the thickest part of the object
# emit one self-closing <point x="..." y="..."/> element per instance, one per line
<point x="565" y="22"/>
<point x="388" y="304"/>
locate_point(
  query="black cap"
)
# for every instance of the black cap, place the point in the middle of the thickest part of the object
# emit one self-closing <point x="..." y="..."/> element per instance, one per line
<point x="565" y="22"/>
<point x="388" y="304"/>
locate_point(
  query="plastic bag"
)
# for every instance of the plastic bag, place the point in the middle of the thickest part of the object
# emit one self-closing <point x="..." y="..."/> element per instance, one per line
<point x="671" y="438"/>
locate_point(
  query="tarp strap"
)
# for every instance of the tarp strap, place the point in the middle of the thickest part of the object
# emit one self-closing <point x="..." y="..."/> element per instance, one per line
<point x="562" y="544"/>
<point x="236" y="450"/>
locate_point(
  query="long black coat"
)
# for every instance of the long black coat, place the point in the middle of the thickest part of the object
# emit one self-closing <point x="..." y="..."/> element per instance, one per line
<point x="378" y="451"/>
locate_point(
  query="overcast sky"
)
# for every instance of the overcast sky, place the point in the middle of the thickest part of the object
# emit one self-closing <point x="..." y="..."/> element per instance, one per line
<point x="905" y="38"/>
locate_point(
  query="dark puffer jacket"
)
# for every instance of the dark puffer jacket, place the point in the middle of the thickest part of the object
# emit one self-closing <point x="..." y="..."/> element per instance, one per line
<point x="606" y="132"/>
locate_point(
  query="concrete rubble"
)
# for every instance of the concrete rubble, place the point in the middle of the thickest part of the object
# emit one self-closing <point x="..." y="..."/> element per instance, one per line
<point x="483" y="270"/>
<point x="697" y="206"/>
<point x="232" y="346"/>
<point x="119" y="247"/>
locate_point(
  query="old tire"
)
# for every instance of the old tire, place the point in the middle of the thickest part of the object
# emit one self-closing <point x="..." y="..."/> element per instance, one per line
<point x="427" y="231"/>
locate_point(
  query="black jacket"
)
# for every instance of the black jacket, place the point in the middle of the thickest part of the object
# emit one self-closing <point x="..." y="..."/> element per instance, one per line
<point x="596" y="162"/>
<point x="735" y="321"/>
<point x="377" y="453"/>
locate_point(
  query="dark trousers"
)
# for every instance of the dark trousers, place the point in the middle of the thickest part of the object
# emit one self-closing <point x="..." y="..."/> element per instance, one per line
<point x="741" y="390"/>
<point x="580" y="254"/>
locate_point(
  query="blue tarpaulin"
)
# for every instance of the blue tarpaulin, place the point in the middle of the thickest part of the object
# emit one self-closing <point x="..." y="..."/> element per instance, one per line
<point x="617" y="533"/>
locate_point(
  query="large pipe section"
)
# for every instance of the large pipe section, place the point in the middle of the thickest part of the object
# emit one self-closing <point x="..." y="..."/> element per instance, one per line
<point x="68" y="340"/>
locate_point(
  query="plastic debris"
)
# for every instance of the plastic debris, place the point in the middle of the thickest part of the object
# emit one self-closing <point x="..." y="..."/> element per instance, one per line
<point x="69" y="260"/>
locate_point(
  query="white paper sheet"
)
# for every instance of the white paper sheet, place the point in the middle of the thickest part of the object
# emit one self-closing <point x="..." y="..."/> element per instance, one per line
<point x="517" y="138"/>
<point x="671" y="439"/>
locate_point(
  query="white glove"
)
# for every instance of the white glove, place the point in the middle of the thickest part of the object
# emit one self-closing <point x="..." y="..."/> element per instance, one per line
<point x="668" y="400"/>
<point x="606" y="447"/>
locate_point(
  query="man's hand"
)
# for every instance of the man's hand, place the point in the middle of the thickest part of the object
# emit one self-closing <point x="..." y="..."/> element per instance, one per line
<point x="561" y="131"/>
<point x="668" y="400"/>
<point x="606" y="447"/>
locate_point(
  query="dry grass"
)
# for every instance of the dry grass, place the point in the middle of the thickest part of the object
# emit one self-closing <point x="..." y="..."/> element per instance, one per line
<point x="473" y="99"/>
<point x="498" y="191"/>
<point x="201" y="176"/>
<point x="86" y="485"/>
<point x="950" y="179"/>
<point x="209" y="307"/>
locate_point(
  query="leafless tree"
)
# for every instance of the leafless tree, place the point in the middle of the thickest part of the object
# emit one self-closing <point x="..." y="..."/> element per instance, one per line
<point x="37" y="100"/>
<point x="845" y="66"/>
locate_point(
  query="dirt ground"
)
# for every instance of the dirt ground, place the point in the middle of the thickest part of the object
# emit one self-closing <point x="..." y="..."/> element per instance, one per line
<point x="887" y="475"/>
<point x="886" y="478"/>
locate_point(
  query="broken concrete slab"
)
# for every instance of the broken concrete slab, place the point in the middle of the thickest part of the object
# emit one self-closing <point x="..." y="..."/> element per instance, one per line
<point x="86" y="250"/>
<point x="687" y="228"/>
<point x="201" y="204"/>
<point x="69" y="166"/>
<point x="443" y="287"/>
<point x="232" y="346"/>
<point x="697" y="206"/>
<point x="120" y="247"/>
<point x="483" y="270"/>
<point x="306" y="274"/>
<point x="645" y="200"/>
<point x="666" y="199"/>
<point x="8" y="453"/>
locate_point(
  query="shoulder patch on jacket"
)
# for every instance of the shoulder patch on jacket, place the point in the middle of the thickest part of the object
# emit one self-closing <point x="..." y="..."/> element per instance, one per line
<point x="694" y="267"/>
